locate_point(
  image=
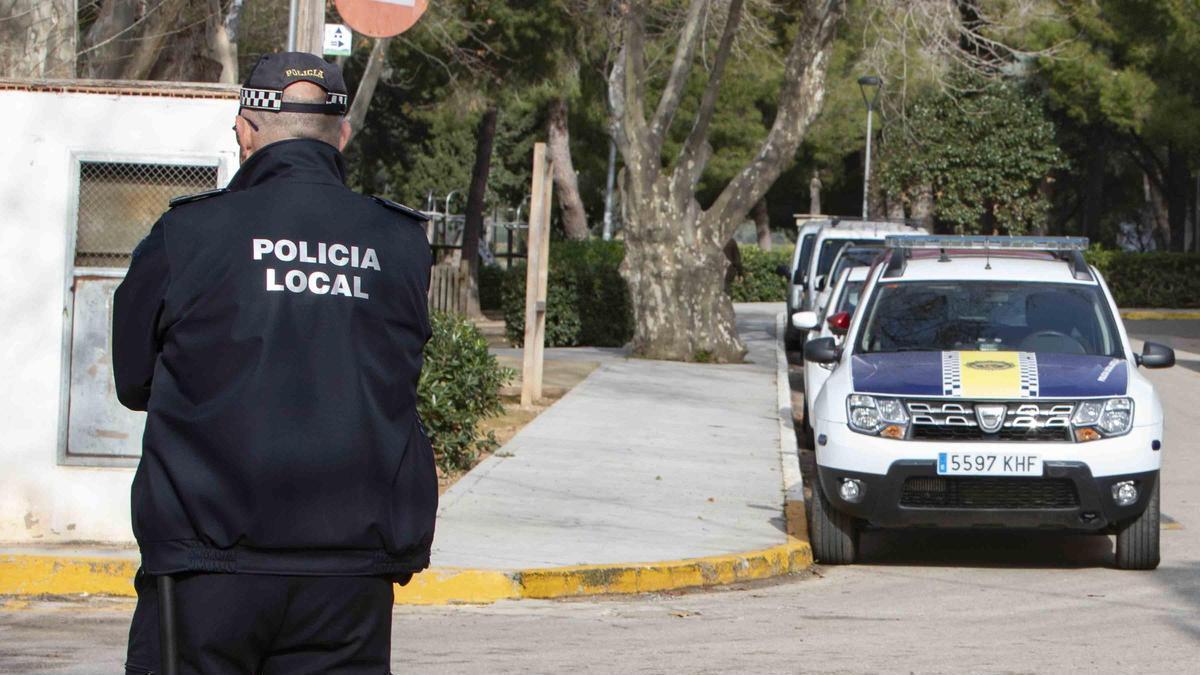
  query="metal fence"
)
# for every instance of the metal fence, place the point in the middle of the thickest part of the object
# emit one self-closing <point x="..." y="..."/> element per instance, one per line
<point x="119" y="202"/>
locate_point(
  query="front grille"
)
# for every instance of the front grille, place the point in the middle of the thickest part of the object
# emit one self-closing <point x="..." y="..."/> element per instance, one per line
<point x="955" y="492"/>
<point x="939" y="420"/>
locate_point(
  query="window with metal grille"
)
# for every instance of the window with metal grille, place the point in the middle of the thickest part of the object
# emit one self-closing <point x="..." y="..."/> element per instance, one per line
<point x="119" y="202"/>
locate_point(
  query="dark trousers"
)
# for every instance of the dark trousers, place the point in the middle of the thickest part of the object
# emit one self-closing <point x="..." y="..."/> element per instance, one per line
<point x="253" y="624"/>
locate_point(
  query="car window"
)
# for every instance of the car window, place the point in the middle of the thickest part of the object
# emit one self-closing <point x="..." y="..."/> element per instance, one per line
<point x="851" y="291"/>
<point x="989" y="316"/>
<point x="806" y="247"/>
<point x="858" y="257"/>
<point x="831" y="247"/>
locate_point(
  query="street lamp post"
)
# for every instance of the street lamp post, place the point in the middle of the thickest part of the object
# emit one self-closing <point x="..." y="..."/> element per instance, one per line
<point x="865" y="83"/>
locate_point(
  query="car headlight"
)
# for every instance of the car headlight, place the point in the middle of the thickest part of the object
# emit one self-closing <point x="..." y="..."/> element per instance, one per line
<point x="877" y="416"/>
<point x="1094" y="420"/>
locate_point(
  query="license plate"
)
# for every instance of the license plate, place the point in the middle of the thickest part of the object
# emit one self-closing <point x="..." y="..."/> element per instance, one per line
<point x="988" y="464"/>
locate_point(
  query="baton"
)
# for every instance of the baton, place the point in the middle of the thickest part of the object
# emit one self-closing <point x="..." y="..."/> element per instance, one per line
<point x="168" y="647"/>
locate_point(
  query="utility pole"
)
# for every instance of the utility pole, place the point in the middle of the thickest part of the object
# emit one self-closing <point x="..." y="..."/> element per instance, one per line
<point x="306" y="26"/>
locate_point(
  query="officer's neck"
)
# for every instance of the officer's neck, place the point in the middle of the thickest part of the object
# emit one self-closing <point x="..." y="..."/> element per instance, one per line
<point x="295" y="160"/>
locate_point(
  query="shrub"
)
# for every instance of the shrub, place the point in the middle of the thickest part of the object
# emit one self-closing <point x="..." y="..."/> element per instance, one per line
<point x="491" y="286"/>
<point x="1156" y="279"/>
<point x="587" y="299"/>
<point x="459" y="387"/>
<point x="760" y="282"/>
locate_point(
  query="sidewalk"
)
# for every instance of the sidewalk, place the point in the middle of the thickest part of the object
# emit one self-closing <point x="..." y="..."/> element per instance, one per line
<point x="647" y="476"/>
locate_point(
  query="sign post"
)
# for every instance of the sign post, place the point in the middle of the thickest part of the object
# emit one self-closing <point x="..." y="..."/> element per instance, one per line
<point x="536" y="276"/>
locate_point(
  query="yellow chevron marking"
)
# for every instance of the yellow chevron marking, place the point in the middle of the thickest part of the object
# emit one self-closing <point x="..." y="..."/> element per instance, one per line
<point x="990" y="374"/>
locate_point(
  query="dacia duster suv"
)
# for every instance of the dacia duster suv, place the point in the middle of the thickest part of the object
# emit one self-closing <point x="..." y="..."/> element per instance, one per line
<point x="987" y="382"/>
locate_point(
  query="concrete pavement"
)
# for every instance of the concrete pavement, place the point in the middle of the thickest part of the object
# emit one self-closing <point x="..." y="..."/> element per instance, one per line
<point x="643" y="461"/>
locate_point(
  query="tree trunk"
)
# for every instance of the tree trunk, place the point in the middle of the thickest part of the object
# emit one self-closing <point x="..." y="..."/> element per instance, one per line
<point x="566" y="184"/>
<point x="473" y="225"/>
<point x="675" y="268"/>
<point x="922" y="208"/>
<point x="1093" y="189"/>
<point x="221" y="44"/>
<point x="366" y="87"/>
<point x="762" y="224"/>
<point x="814" y="194"/>
<point x="1179" y="184"/>
<point x="37" y="39"/>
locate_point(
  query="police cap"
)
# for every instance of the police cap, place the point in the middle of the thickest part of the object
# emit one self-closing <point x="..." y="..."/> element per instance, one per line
<point x="264" y="86"/>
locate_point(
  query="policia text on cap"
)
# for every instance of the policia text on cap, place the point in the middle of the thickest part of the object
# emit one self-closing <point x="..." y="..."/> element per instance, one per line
<point x="272" y="330"/>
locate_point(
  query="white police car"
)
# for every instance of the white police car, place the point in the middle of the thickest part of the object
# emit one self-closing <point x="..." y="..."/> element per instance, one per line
<point x="987" y="382"/>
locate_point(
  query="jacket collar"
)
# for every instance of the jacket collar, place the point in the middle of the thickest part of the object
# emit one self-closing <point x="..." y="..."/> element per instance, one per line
<point x="296" y="160"/>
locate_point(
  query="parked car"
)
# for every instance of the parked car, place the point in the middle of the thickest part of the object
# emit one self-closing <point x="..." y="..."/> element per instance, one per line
<point x="795" y="274"/>
<point x="987" y="382"/>
<point x="849" y="257"/>
<point x="830" y="241"/>
<point x="833" y="322"/>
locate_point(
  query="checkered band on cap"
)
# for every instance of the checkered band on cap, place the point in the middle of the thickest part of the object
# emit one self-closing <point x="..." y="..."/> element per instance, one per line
<point x="337" y="99"/>
<point x="261" y="99"/>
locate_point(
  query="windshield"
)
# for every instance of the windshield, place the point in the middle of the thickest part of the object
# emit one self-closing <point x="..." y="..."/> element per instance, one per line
<point x="855" y="257"/>
<point x="830" y="249"/>
<point x="851" y="291"/>
<point x="806" y="246"/>
<point x="989" y="316"/>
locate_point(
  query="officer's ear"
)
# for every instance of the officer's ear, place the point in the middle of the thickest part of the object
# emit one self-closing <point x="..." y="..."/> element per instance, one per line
<point x="344" y="135"/>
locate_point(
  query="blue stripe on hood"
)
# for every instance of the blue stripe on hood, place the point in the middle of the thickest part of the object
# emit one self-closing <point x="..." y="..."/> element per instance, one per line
<point x="920" y="374"/>
<point x="1071" y="375"/>
<point x="900" y="373"/>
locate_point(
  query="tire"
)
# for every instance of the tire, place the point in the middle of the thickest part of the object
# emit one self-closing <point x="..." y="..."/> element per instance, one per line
<point x="833" y="534"/>
<point x="1137" y="541"/>
<point x="791" y="339"/>
<point x="809" y="435"/>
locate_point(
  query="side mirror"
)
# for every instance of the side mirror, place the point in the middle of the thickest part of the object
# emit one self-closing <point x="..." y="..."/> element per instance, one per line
<point x="805" y="320"/>
<point x="820" y="283"/>
<point x="822" y="350"/>
<point x="839" y="323"/>
<point x="783" y="271"/>
<point x="798" y="277"/>
<point x="1155" y="355"/>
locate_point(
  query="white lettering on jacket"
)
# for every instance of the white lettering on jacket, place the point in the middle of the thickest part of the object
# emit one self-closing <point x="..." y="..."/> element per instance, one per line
<point x="315" y="282"/>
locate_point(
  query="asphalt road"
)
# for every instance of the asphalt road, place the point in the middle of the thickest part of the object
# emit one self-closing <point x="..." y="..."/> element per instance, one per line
<point x="925" y="603"/>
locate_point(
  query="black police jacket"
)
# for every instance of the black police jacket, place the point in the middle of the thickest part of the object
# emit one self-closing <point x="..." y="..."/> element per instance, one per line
<point x="273" y="333"/>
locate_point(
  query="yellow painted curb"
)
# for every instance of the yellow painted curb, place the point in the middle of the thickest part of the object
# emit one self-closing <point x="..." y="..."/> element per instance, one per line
<point x="37" y="575"/>
<point x="1159" y="314"/>
<point x="61" y="575"/>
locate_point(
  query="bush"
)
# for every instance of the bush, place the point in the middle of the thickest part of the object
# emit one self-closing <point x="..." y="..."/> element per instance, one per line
<point x="1157" y="279"/>
<point x="760" y="282"/>
<point x="459" y="387"/>
<point x="587" y="299"/>
<point x="491" y="286"/>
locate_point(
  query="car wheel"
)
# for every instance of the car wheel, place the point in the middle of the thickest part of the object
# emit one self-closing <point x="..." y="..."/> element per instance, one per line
<point x="791" y="339"/>
<point x="1137" y="541"/>
<point x="833" y="534"/>
<point x="809" y="434"/>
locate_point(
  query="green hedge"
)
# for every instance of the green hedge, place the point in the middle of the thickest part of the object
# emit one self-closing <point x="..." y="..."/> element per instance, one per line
<point x="459" y="387"/>
<point x="587" y="299"/>
<point x="1158" y="279"/>
<point x="760" y="282"/>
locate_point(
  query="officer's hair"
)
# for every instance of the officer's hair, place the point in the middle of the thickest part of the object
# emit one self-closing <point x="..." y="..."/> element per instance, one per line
<point x="279" y="126"/>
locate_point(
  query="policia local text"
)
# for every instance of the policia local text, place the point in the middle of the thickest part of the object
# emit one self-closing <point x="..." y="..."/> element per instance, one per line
<point x="320" y="253"/>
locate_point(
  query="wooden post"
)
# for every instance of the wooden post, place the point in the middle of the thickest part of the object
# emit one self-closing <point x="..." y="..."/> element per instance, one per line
<point x="536" y="276"/>
<point x="310" y="27"/>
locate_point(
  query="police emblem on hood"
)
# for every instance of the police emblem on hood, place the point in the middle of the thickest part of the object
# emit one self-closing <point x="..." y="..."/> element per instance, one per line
<point x="990" y="365"/>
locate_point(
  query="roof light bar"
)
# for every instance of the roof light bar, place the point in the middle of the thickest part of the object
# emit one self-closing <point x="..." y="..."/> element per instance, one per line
<point x="912" y="241"/>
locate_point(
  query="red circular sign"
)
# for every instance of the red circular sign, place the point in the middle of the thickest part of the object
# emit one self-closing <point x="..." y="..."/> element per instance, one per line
<point x="381" y="18"/>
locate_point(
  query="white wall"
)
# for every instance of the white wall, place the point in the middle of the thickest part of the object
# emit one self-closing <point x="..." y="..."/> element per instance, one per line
<point x="42" y="501"/>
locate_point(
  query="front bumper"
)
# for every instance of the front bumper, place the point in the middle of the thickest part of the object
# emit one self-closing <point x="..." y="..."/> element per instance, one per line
<point x="886" y="503"/>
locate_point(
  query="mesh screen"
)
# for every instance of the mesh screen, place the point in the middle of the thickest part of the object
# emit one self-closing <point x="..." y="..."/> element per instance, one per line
<point x="119" y="203"/>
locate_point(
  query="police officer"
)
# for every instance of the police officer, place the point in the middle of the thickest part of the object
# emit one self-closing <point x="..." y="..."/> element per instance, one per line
<point x="273" y="332"/>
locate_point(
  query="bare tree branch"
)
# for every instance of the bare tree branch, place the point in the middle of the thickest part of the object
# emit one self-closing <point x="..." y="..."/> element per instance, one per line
<point x="681" y="66"/>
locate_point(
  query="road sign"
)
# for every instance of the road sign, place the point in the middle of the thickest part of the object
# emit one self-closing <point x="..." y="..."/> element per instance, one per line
<point x="381" y="18"/>
<point x="337" y="39"/>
